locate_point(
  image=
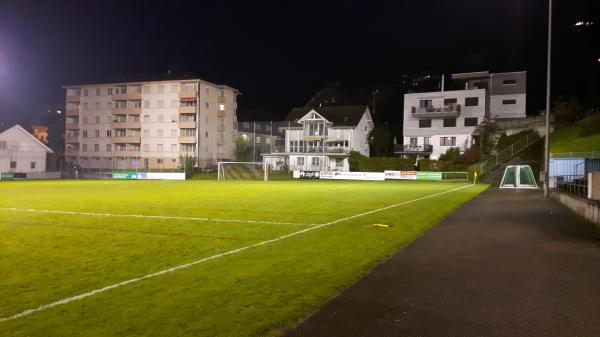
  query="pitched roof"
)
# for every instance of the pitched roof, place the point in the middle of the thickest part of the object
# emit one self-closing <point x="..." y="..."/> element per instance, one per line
<point x="348" y="115"/>
<point x="37" y="141"/>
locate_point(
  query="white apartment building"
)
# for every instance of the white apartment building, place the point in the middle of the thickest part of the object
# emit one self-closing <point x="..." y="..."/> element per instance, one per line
<point x="21" y="152"/>
<point x="437" y="121"/>
<point x="148" y="124"/>
<point x="321" y="139"/>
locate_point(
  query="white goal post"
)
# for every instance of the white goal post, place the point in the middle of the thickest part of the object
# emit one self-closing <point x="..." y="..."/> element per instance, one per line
<point x="235" y="170"/>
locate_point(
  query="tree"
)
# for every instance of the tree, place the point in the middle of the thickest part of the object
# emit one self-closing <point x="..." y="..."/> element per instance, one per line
<point x="380" y="140"/>
<point x="567" y="111"/>
<point x="242" y="152"/>
<point x="187" y="164"/>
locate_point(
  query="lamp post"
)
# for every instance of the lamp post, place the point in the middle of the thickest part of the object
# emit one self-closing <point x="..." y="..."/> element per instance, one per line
<point x="548" y="73"/>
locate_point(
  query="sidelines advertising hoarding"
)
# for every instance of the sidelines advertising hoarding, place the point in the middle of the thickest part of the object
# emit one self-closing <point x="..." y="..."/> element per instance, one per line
<point x="400" y="175"/>
<point x="148" y="175"/>
<point x="334" y="175"/>
<point x="307" y="174"/>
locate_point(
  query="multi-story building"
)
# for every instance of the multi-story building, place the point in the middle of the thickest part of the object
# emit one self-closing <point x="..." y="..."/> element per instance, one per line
<point x="21" y="152"/>
<point x="321" y="138"/>
<point x="262" y="137"/>
<point x="437" y="121"/>
<point x="149" y="123"/>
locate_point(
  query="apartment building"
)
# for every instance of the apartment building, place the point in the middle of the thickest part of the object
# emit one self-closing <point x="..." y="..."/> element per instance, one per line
<point x="321" y="138"/>
<point x="262" y="136"/>
<point x="148" y="123"/>
<point x="437" y="121"/>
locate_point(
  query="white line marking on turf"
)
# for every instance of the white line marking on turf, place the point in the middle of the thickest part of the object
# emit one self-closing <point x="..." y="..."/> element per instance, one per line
<point x="213" y="257"/>
<point x="163" y="217"/>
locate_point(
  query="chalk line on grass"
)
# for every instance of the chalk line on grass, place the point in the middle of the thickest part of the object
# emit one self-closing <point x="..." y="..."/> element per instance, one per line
<point x="162" y="217"/>
<point x="213" y="257"/>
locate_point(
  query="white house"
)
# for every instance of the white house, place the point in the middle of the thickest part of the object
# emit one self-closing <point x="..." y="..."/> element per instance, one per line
<point x="321" y="139"/>
<point x="437" y="121"/>
<point x="21" y="152"/>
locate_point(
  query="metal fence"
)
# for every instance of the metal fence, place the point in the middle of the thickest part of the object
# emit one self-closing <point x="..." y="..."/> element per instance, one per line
<point x="576" y="185"/>
<point x="507" y="153"/>
<point x="584" y="154"/>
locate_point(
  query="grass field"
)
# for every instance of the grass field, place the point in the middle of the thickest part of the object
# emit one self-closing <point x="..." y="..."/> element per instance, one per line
<point x="46" y="257"/>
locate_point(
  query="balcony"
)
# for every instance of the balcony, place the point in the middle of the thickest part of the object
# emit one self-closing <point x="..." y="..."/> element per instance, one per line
<point x="221" y="99"/>
<point x="72" y="126"/>
<point x="187" y="110"/>
<point x="328" y="150"/>
<point x="220" y="128"/>
<point x="123" y="96"/>
<point x="126" y="139"/>
<point x="187" y="124"/>
<point x="126" y="153"/>
<point x="73" y="99"/>
<point x="126" y="111"/>
<point x="71" y="139"/>
<point x="189" y="94"/>
<point x="220" y="113"/>
<point x="187" y="139"/>
<point x="220" y="142"/>
<point x="126" y="125"/>
<point x="448" y="111"/>
<point x="72" y="112"/>
<point x="416" y="149"/>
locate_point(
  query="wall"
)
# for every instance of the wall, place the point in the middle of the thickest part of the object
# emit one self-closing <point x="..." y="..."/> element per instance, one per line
<point x="588" y="209"/>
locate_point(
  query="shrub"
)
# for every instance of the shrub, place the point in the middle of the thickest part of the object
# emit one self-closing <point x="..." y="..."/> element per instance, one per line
<point x="353" y="159"/>
<point x="380" y="164"/>
<point x="472" y="155"/>
<point x="451" y="154"/>
<point x="590" y="125"/>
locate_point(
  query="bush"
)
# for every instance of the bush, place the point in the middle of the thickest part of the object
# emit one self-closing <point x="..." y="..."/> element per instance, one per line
<point x="429" y="165"/>
<point x="353" y="159"/>
<point x="590" y="125"/>
<point x="472" y="155"/>
<point x="451" y="154"/>
<point x="380" y="164"/>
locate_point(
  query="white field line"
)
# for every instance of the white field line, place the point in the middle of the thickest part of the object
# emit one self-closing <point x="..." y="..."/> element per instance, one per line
<point x="213" y="257"/>
<point x="163" y="217"/>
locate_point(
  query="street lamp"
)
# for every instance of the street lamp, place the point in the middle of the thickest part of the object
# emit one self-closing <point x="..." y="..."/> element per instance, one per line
<point x="548" y="73"/>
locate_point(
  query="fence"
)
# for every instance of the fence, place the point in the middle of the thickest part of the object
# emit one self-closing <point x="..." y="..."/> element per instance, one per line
<point x="584" y="154"/>
<point x="507" y="153"/>
<point x="576" y="185"/>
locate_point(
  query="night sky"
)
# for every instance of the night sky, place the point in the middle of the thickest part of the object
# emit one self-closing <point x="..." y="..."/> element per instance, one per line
<point x="278" y="53"/>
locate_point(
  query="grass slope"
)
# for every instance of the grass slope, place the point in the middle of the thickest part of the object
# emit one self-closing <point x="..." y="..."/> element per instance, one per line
<point x="47" y="257"/>
<point x="567" y="140"/>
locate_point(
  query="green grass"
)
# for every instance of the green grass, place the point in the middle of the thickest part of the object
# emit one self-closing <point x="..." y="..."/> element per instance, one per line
<point x="47" y="257"/>
<point x="567" y="139"/>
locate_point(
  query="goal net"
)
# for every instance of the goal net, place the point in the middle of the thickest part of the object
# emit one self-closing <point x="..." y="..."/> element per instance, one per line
<point x="242" y="171"/>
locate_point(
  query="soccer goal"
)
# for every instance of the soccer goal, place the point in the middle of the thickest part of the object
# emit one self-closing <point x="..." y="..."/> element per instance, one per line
<point x="242" y="171"/>
<point x="455" y="176"/>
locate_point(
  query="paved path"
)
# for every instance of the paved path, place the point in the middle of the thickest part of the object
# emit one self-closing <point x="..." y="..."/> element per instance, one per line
<point x="508" y="263"/>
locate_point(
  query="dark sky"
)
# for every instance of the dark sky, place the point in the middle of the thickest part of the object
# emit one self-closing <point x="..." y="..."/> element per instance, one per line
<point x="278" y="53"/>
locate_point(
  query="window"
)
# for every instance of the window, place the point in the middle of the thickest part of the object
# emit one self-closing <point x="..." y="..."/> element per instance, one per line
<point x="207" y="90"/>
<point x="97" y="119"/>
<point x="108" y="148"/>
<point x="97" y="105"/>
<point x="424" y="123"/>
<point x="174" y="118"/>
<point x="108" y="133"/>
<point x="159" y="161"/>
<point x="449" y="122"/>
<point x="257" y="140"/>
<point x="84" y="133"/>
<point x="147" y="89"/>
<point x="174" y="103"/>
<point x="85" y="106"/>
<point x="13" y="164"/>
<point x="161" y="89"/>
<point x="413" y="141"/>
<point x="160" y="103"/>
<point x="98" y="92"/>
<point x="85" y="92"/>
<point x="206" y="134"/>
<point x="96" y="147"/>
<point x="316" y="161"/>
<point x="146" y="147"/>
<point x="509" y="82"/>
<point x="159" y="133"/>
<point x="174" y="88"/>
<point x="109" y="105"/>
<point x="509" y="101"/>
<point x="2" y="145"/>
<point x="470" y="121"/>
<point x="96" y="133"/>
<point x="447" y="141"/>
<point x="160" y="118"/>
<point x="207" y="105"/>
<point x="222" y="107"/>
<point x="84" y="147"/>
<point x="426" y="140"/>
<point x="146" y="133"/>
<point x="173" y="148"/>
<point x="109" y="91"/>
<point x="425" y="103"/>
<point x="448" y="101"/>
<point x="146" y="104"/>
<point x="173" y="132"/>
<point x="472" y="101"/>
<point x="160" y="147"/>
<point x="146" y="118"/>
<point x="300" y="161"/>
<point x="268" y="141"/>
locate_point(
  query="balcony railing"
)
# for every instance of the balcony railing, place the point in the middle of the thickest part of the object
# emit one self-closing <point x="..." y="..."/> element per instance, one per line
<point x="72" y="112"/>
<point x="409" y="148"/>
<point x="187" y="109"/>
<point x="220" y="113"/>
<point x="71" y="139"/>
<point x="71" y="152"/>
<point x="187" y="94"/>
<point x="183" y="124"/>
<point x="72" y="126"/>
<point x="73" y="98"/>
<point x="129" y="95"/>
<point x="126" y="125"/>
<point x="127" y="111"/>
<point x="332" y="150"/>
<point x="126" y="139"/>
<point x="187" y="139"/>
<point x="447" y="111"/>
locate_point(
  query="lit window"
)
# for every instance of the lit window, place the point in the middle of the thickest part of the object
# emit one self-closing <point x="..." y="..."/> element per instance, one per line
<point x="222" y="107"/>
